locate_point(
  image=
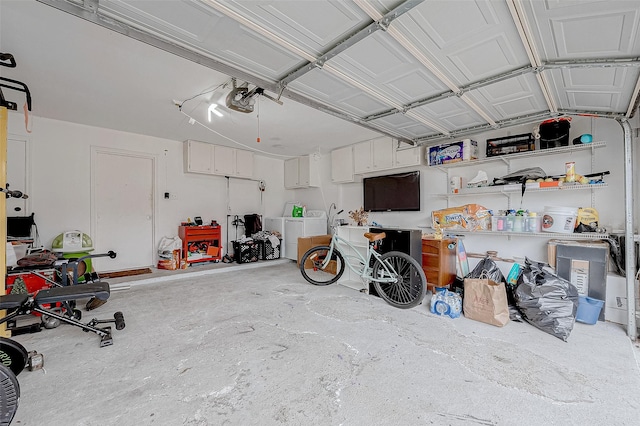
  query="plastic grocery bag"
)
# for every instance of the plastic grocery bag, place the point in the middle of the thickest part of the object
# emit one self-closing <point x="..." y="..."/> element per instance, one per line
<point x="167" y="245"/>
<point x="546" y="301"/>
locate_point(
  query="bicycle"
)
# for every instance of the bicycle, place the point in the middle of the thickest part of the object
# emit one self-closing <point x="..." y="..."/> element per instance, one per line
<point x="397" y="277"/>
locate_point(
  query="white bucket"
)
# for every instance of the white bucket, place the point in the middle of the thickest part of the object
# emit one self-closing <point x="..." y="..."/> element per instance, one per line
<point x="559" y="219"/>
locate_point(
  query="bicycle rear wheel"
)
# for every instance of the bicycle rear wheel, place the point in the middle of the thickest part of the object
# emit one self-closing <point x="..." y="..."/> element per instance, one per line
<point x="409" y="285"/>
<point x="311" y="266"/>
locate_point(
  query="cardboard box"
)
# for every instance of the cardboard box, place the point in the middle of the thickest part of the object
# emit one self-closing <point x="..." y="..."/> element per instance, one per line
<point x="306" y="243"/>
<point x="551" y="248"/>
<point x="463" y="150"/>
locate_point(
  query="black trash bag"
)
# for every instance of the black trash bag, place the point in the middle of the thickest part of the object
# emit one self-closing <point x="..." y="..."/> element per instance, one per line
<point x="546" y="301"/>
<point x="488" y="268"/>
<point x="458" y="286"/>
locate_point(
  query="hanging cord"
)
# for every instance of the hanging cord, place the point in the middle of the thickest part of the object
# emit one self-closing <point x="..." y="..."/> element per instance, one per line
<point x="236" y="142"/>
<point x="258" y="117"/>
<point x="179" y="105"/>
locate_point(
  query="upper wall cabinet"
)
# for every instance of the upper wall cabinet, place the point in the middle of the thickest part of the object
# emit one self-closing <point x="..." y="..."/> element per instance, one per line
<point x="198" y="157"/>
<point x="342" y="165"/>
<point x="201" y="157"/>
<point x="372" y="156"/>
<point x="302" y="172"/>
<point x="406" y="156"/>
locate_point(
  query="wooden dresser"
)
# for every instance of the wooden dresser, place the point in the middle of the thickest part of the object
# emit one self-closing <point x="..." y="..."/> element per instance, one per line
<point x="439" y="261"/>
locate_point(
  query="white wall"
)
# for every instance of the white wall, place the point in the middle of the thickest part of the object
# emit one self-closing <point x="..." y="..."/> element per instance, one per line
<point x="608" y="201"/>
<point x="59" y="172"/>
<point x="59" y="189"/>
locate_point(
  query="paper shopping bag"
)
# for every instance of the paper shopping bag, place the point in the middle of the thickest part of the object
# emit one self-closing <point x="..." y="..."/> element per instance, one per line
<point x="485" y="301"/>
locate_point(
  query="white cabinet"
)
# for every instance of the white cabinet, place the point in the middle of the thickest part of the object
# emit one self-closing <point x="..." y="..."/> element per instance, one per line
<point x="355" y="236"/>
<point x="206" y="158"/>
<point x="223" y="160"/>
<point x="342" y="165"/>
<point x="407" y="157"/>
<point x="362" y="158"/>
<point x="381" y="154"/>
<point x="244" y="163"/>
<point x="198" y="157"/>
<point x="302" y="172"/>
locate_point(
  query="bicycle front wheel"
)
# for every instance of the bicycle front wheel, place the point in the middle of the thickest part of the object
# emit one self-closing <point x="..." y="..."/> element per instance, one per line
<point x="312" y="270"/>
<point x="408" y="285"/>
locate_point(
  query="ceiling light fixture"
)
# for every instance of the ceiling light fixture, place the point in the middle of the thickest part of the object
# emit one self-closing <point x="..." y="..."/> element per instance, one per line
<point x="213" y="108"/>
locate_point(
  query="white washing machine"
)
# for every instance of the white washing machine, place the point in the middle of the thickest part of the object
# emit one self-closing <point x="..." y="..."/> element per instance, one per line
<point x="314" y="223"/>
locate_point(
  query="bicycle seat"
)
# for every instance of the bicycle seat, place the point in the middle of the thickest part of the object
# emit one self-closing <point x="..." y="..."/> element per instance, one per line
<point x="374" y="237"/>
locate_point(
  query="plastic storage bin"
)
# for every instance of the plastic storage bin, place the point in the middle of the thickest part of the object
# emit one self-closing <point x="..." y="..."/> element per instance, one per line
<point x="559" y="219"/>
<point x="245" y="252"/>
<point x="268" y="251"/>
<point x="510" y="144"/>
<point x="588" y="309"/>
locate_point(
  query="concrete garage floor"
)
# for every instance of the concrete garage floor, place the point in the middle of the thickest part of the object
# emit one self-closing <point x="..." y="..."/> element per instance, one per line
<point x="259" y="346"/>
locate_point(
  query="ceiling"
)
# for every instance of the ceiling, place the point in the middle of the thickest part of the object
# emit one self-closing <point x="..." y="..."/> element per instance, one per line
<point x="345" y="71"/>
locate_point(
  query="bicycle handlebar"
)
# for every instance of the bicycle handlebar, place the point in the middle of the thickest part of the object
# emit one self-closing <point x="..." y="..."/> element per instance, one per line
<point x="14" y="194"/>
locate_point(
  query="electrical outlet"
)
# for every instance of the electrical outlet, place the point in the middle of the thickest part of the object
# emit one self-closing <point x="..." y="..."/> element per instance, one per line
<point x="173" y="196"/>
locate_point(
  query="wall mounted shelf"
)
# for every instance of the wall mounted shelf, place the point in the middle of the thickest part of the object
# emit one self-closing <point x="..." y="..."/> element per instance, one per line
<point x="550" y="235"/>
<point x="507" y="158"/>
<point x="517" y="189"/>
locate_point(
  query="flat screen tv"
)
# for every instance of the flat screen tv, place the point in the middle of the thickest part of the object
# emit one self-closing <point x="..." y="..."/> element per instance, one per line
<point x="392" y="193"/>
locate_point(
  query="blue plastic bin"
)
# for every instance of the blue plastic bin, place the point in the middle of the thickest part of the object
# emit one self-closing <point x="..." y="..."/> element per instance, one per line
<point x="589" y="310"/>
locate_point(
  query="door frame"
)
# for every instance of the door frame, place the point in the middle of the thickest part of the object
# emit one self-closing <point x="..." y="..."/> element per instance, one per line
<point x="27" y="169"/>
<point x="97" y="150"/>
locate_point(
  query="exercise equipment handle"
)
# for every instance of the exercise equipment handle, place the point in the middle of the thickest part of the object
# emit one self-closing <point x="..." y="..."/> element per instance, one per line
<point x="7" y="57"/>
<point x="14" y="194"/>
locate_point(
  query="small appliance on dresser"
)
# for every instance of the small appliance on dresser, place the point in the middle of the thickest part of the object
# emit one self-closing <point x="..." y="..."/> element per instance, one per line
<point x="291" y="228"/>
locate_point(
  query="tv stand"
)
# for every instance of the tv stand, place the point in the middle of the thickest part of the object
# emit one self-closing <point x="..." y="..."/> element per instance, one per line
<point x="407" y="241"/>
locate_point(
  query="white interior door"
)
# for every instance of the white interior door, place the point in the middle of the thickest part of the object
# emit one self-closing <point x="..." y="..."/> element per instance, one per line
<point x="123" y="206"/>
<point x="17" y="176"/>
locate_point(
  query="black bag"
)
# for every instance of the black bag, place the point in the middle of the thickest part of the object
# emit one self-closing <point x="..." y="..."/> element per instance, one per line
<point x="252" y="224"/>
<point x="520" y="176"/>
<point x="486" y="268"/>
<point x="546" y="301"/>
<point x="554" y="133"/>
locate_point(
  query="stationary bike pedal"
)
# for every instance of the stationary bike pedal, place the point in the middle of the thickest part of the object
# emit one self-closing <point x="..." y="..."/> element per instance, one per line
<point x="87" y="277"/>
